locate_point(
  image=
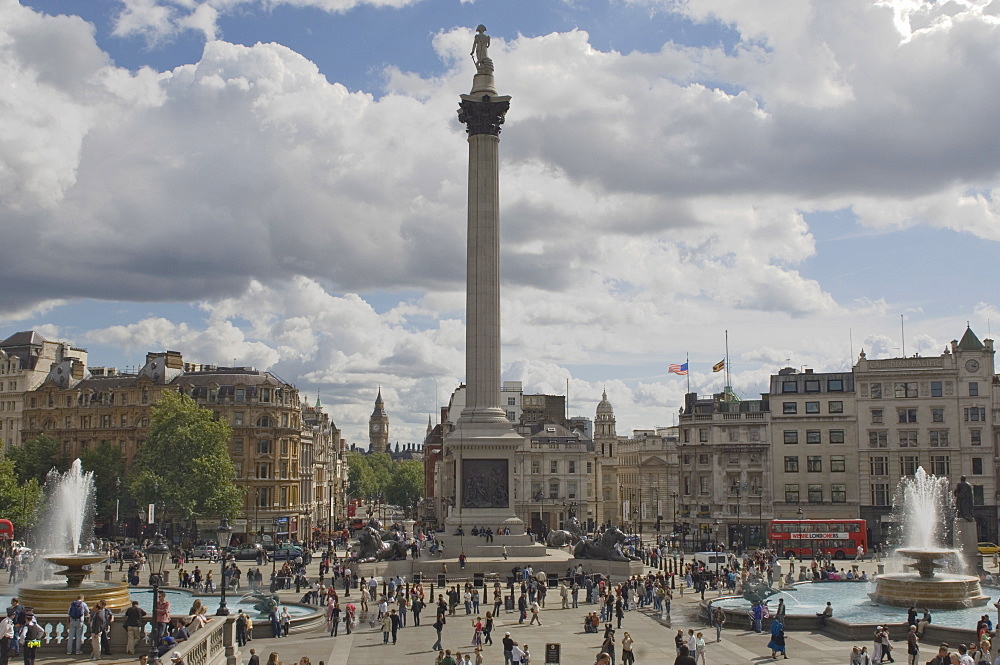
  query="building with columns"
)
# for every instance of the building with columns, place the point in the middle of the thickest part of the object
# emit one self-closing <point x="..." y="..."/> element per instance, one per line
<point x="646" y="473"/>
<point x="25" y="360"/>
<point x="725" y="480"/>
<point x="80" y="407"/>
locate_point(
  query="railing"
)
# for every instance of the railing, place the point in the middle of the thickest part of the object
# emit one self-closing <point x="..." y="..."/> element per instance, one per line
<point x="212" y="645"/>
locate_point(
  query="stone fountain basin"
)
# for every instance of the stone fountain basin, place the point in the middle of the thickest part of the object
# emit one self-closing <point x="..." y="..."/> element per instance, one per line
<point x="75" y="560"/>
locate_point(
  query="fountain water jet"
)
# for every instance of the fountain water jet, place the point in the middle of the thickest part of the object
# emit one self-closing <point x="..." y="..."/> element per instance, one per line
<point x="67" y="524"/>
<point x="926" y="513"/>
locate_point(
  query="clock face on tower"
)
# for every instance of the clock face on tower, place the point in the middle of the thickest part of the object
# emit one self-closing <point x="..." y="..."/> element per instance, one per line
<point x="972" y="365"/>
<point x="376" y="428"/>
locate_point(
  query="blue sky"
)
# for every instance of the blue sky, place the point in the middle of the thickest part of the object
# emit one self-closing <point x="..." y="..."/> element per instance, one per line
<point x="281" y="183"/>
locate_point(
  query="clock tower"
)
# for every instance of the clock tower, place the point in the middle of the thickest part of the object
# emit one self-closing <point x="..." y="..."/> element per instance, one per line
<point x="378" y="427"/>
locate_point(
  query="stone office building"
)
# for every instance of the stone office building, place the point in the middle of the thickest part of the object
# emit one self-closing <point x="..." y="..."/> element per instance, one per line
<point x="81" y="407"/>
<point x="725" y="469"/>
<point x="814" y="443"/>
<point x="930" y="412"/>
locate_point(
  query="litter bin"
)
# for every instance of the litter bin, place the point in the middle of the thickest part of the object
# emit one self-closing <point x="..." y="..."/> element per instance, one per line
<point x="418" y="578"/>
<point x="477" y="580"/>
<point x="442" y="580"/>
<point x="508" y="603"/>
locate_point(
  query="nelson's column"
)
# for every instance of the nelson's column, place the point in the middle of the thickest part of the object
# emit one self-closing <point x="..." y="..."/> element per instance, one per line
<point x="480" y="450"/>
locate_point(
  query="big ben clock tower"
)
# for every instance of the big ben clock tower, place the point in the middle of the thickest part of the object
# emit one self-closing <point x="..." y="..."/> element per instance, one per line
<point x="378" y="427"/>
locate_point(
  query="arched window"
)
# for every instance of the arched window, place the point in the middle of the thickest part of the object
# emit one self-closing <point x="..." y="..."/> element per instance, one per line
<point x="264" y="421"/>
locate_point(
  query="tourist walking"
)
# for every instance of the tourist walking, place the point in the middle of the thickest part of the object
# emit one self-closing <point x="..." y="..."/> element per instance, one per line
<point x="886" y="647"/>
<point x="438" y="625"/>
<point x="777" y="643"/>
<point x="608" y="646"/>
<point x="718" y="620"/>
<point x="628" y="658"/>
<point x="912" y="646"/>
<point x="699" y="649"/>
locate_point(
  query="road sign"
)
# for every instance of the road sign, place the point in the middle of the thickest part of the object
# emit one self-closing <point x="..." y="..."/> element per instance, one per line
<point x="552" y="653"/>
<point x="281" y="520"/>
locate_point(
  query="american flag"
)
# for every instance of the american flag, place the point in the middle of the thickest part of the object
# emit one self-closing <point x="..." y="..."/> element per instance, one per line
<point x="678" y="369"/>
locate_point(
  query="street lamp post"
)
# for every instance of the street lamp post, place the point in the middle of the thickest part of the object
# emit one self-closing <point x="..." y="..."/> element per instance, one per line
<point x="156" y="554"/>
<point x="224" y="534"/>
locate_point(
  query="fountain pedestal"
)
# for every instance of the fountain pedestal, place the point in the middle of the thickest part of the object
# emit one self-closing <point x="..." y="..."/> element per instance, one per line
<point x="926" y="587"/>
<point x="55" y="597"/>
<point x="967" y="538"/>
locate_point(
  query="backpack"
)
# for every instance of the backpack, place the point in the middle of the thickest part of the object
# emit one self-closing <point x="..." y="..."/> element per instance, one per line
<point x="76" y="610"/>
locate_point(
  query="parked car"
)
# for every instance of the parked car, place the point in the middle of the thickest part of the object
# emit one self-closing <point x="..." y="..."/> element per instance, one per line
<point x="988" y="548"/>
<point x="210" y="552"/>
<point x="249" y="552"/>
<point x="286" y="552"/>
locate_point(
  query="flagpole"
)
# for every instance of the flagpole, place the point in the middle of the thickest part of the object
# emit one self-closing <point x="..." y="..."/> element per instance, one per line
<point x="687" y="361"/>
<point x="728" y="387"/>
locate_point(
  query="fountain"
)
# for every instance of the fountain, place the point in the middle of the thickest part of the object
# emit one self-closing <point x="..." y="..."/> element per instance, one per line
<point x="926" y="512"/>
<point x="65" y="526"/>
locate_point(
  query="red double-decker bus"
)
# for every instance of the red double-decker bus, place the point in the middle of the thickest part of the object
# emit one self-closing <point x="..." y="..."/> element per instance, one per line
<point x="808" y="538"/>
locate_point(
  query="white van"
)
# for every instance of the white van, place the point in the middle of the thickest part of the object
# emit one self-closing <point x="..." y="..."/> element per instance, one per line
<point x="711" y="558"/>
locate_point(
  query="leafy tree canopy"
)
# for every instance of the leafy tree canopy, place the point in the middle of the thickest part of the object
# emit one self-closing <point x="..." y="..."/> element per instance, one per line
<point x="184" y="466"/>
<point x="376" y="475"/>
<point x="407" y="485"/>
<point x="20" y="501"/>
<point x="36" y="457"/>
<point x="108" y="464"/>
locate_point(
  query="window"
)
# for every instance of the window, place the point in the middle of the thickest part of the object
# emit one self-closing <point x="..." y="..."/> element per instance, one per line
<point x="977" y="466"/>
<point x="975" y="414"/>
<point x="940" y="465"/>
<point x="590" y="468"/>
<point x="69" y="422"/>
<point x="238" y="445"/>
<point x="536" y="466"/>
<point x="880" y="494"/>
<point x="123" y="421"/>
<point x="703" y="435"/>
<point x="877" y="416"/>
<point x="813" y="436"/>
<point x="938" y="438"/>
<point x="976" y="437"/>
<point x="284" y="470"/>
<point x="936" y="389"/>
<point x="905" y="389"/>
<point x="814" y="464"/>
<point x="734" y="434"/>
<point x="511" y="401"/>
<point x="791" y="436"/>
<point x="238" y="418"/>
<point x="908" y="465"/>
<point x="264" y="447"/>
<point x="815" y="494"/>
<point x="144" y="396"/>
<point x="791" y="493"/>
<point x="878" y="439"/>
<point x="263" y="470"/>
<point x="264" y="497"/>
<point x="686" y="459"/>
<point x="879" y="466"/>
<point x="571" y="490"/>
<point x="876" y="391"/>
<point x="838" y="464"/>
<point x="553" y="489"/>
<point x="703" y="482"/>
<point x="836" y="436"/>
<point x="973" y="389"/>
<point x="937" y="415"/>
<point x="789" y="387"/>
<point x="907" y="438"/>
<point x="703" y="459"/>
<point x="812" y="386"/>
<point x="907" y="415"/>
<point x="978" y="496"/>
<point x="812" y="407"/>
<point x="511" y="416"/>
<point x="241" y="395"/>
<point x="572" y="466"/>
<point x="265" y="394"/>
<point x="838" y="493"/>
<point x="789" y="407"/>
<point x="553" y="466"/>
<point x="106" y="420"/>
<point x="836" y="406"/>
<point x="791" y="464"/>
<point x="835" y="385"/>
<point x="284" y="447"/>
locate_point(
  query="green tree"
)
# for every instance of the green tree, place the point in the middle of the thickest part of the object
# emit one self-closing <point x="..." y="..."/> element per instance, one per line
<point x="361" y="479"/>
<point x="406" y="487"/>
<point x="184" y="466"/>
<point x="19" y="501"/>
<point x="36" y="457"/>
<point x="108" y="464"/>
